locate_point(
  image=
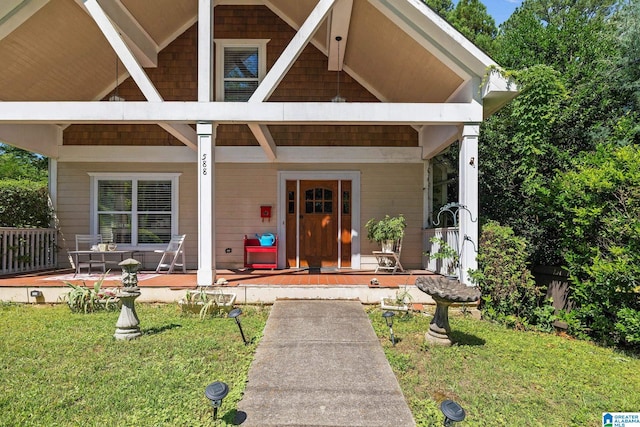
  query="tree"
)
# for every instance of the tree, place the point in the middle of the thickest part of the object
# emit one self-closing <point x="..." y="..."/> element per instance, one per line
<point x="576" y="41"/>
<point x="470" y="17"/>
<point x="441" y="7"/>
<point x="20" y="164"/>
<point x="24" y="199"/>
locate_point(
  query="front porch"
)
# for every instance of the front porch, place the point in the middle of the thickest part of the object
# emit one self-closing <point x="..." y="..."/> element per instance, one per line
<point x="250" y="286"/>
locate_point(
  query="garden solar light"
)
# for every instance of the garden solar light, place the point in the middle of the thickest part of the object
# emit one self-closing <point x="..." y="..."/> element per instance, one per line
<point x="235" y="314"/>
<point x="215" y="392"/>
<point x="452" y="412"/>
<point x="388" y="317"/>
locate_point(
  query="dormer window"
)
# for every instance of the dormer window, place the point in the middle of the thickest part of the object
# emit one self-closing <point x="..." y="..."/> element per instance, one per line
<point x="240" y="66"/>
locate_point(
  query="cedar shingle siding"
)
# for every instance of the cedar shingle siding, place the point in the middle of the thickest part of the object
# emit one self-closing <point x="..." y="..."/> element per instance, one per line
<point x="307" y="81"/>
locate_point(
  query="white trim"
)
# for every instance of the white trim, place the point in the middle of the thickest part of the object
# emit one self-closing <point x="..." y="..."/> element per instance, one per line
<point x="352" y="113"/>
<point x="284" y="176"/>
<point x="220" y="44"/>
<point x="241" y="154"/>
<point x="135" y="176"/>
<point x="19" y="15"/>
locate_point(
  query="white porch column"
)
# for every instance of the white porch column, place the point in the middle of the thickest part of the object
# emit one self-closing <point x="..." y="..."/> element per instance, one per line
<point x="206" y="204"/>
<point x="468" y="189"/>
<point x="427" y="204"/>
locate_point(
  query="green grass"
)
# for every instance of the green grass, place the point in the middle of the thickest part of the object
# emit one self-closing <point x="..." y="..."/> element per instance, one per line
<point x="503" y="377"/>
<point x="64" y="369"/>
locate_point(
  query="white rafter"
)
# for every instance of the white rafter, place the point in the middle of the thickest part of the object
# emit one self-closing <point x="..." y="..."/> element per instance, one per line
<point x="183" y="132"/>
<point x="339" y="27"/>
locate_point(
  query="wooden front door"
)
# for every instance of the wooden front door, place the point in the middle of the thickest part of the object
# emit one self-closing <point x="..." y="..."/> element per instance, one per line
<point x="315" y="208"/>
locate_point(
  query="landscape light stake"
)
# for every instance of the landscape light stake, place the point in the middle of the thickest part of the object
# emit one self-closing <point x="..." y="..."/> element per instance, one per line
<point x="452" y="412"/>
<point x="215" y="392"/>
<point x="388" y="317"/>
<point x="235" y="314"/>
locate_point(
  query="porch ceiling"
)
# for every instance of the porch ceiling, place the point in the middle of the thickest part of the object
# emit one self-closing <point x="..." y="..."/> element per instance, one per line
<point x="58" y="52"/>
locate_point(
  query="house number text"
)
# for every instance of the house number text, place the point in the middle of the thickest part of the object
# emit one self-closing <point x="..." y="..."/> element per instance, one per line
<point x="204" y="164"/>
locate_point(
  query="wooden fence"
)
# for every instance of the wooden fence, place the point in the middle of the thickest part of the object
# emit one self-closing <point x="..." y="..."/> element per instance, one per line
<point x="24" y="250"/>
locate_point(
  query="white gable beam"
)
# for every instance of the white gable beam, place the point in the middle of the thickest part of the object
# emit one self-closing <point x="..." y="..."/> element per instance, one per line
<point x="16" y="17"/>
<point x="185" y="134"/>
<point x="41" y="139"/>
<point x="355" y="113"/>
<point x="339" y="27"/>
<point x="262" y="134"/>
<point x="142" y="45"/>
<point x="282" y="66"/>
<point x="205" y="51"/>
<point x="292" y="51"/>
<point x="434" y="139"/>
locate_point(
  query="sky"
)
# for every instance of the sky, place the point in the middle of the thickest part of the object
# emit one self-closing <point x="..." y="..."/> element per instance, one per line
<point x="500" y="10"/>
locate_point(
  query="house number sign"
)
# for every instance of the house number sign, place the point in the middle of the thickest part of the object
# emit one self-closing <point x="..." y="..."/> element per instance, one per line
<point x="204" y="164"/>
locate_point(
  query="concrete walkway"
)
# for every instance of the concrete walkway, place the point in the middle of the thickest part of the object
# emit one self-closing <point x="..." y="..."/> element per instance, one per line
<point x="321" y="364"/>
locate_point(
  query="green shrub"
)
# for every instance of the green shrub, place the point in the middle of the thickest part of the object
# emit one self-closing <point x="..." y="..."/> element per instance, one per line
<point x="598" y="218"/>
<point x="83" y="299"/>
<point x="24" y="204"/>
<point x="508" y="290"/>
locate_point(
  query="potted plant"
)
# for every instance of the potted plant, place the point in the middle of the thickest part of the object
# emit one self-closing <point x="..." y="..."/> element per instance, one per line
<point x="386" y="231"/>
<point x="447" y="254"/>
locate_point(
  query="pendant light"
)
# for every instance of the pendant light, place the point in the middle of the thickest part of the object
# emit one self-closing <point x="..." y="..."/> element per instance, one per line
<point x="115" y="96"/>
<point x="338" y="98"/>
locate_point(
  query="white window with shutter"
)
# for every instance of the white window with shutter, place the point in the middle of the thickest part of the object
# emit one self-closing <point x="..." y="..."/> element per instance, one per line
<point x="240" y="67"/>
<point x="135" y="211"/>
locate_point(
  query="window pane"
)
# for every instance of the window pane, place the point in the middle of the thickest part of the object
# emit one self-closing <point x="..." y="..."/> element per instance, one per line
<point x="308" y="207"/>
<point x="241" y="62"/>
<point x="154" y="196"/>
<point x="114" y="195"/>
<point x="115" y="227"/>
<point x="328" y="207"/>
<point x="239" y="91"/>
<point x="154" y="228"/>
<point x="308" y="195"/>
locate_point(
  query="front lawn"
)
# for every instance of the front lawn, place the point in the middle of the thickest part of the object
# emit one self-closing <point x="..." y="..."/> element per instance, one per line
<point x="64" y="369"/>
<point x="503" y="377"/>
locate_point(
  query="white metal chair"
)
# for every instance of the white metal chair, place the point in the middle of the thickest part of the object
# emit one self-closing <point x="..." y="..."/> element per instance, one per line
<point x="169" y="259"/>
<point x="389" y="258"/>
<point x="89" y="242"/>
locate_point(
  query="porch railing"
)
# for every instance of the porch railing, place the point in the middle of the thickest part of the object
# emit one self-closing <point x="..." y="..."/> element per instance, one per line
<point x="24" y="250"/>
<point x="449" y="235"/>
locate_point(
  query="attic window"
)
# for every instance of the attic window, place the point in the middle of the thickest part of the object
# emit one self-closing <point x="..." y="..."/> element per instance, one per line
<point x="240" y="66"/>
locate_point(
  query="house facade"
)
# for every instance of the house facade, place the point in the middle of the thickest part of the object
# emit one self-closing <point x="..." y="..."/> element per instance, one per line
<point x="224" y="119"/>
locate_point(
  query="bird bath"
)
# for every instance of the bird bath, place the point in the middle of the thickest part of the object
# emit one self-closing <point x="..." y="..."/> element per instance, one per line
<point x="444" y="292"/>
<point x="128" y="325"/>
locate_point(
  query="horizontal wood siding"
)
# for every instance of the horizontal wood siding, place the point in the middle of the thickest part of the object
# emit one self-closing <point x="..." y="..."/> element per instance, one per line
<point x="393" y="189"/>
<point x="240" y="191"/>
<point x="73" y="208"/>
